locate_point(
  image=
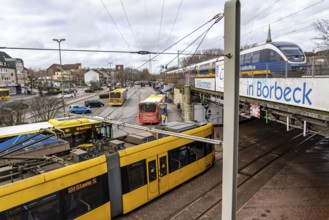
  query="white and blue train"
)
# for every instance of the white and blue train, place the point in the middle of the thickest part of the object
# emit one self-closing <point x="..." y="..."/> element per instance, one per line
<point x="273" y="72"/>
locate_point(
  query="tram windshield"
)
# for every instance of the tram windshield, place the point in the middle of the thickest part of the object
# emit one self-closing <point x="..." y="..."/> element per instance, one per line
<point x="293" y="53"/>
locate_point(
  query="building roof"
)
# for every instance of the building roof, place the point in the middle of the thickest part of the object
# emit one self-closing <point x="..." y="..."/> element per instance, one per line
<point x="75" y="66"/>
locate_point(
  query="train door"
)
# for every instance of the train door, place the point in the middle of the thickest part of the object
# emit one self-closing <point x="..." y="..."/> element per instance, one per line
<point x="157" y="170"/>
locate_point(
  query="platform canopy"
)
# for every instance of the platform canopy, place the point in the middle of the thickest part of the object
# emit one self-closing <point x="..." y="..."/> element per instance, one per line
<point x="166" y="89"/>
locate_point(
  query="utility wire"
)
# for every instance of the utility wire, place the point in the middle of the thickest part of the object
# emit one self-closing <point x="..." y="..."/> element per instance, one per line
<point x="260" y="12"/>
<point x="261" y="28"/>
<point x="163" y="1"/>
<point x="162" y="52"/>
<point x="108" y="12"/>
<point x="172" y="27"/>
<point x="307" y="7"/>
<point x="124" y="10"/>
<point x="92" y="51"/>
<point x="203" y="34"/>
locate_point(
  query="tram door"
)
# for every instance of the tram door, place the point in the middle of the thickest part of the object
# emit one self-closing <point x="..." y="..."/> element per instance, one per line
<point x="157" y="175"/>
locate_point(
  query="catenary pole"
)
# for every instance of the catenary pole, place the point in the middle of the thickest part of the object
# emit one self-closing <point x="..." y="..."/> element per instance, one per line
<point x="231" y="108"/>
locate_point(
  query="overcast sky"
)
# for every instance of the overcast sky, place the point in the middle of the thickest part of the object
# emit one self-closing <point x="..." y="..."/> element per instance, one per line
<point x="152" y="25"/>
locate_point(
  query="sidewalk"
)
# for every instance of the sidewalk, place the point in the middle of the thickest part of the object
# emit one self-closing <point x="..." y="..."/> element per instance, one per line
<point x="173" y="113"/>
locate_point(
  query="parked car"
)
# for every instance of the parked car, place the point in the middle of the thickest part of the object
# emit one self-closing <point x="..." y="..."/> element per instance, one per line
<point x="65" y="95"/>
<point x="93" y="103"/>
<point x="79" y="109"/>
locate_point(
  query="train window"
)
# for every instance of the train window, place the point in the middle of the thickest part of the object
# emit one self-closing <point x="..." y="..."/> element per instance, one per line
<point x="133" y="176"/>
<point x="42" y="208"/>
<point x="255" y="57"/>
<point x="264" y="55"/>
<point x="247" y="58"/>
<point x="241" y="59"/>
<point x="274" y="56"/>
<point x="152" y="170"/>
<point x="85" y="196"/>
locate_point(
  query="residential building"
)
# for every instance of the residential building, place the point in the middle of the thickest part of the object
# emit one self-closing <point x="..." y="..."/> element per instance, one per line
<point x="72" y="73"/>
<point x="96" y="76"/>
<point x="12" y="73"/>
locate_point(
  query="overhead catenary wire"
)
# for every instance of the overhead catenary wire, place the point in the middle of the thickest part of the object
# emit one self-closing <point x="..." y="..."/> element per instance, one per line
<point x="115" y="24"/>
<point x="85" y="50"/>
<point x="203" y="34"/>
<point x="133" y="34"/>
<point x="172" y="27"/>
<point x="244" y="33"/>
<point x="163" y="1"/>
<point x="163" y="52"/>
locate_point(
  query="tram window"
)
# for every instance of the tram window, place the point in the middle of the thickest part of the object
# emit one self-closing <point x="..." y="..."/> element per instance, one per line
<point x="152" y="170"/>
<point x="196" y="148"/>
<point x="247" y="58"/>
<point x="133" y="176"/>
<point x="163" y="166"/>
<point x="178" y="158"/>
<point x="255" y="57"/>
<point x="42" y="208"/>
<point x="208" y="148"/>
<point x="85" y="196"/>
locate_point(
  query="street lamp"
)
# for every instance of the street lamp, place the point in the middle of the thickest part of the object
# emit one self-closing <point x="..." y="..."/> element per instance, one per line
<point x="60" y="63"/>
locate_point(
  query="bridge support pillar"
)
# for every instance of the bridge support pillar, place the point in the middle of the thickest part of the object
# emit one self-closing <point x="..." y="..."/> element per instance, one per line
<point x="187" y="113"/>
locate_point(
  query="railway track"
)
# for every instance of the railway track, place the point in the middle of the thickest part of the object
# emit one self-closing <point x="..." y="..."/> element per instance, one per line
<point x="264" y="150"/>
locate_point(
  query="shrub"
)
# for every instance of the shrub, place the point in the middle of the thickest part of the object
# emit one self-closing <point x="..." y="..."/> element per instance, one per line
<point x="89" y="91"/>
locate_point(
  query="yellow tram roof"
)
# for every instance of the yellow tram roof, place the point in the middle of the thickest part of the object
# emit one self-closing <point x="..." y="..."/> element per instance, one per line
<point x="15" y="130"/>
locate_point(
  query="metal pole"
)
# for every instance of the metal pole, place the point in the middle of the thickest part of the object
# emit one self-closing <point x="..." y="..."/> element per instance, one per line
<point x="60" y="63"/>
<point x="231" y="108"/>
<point x="313" y="63"/>
<point x="178" y="59"/>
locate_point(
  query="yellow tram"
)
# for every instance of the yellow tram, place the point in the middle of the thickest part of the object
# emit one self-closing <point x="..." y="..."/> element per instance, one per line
<point x="111" y="184"/>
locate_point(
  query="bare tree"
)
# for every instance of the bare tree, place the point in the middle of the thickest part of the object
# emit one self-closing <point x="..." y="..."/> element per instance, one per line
<point x="205" y="55"/>
<point x="44" y="108"/>
<point x="13" y="113"/>
<point x="322" y="27"/>
<point x="247" y="46"/>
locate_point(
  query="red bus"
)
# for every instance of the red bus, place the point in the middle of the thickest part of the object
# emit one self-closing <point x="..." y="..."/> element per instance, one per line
<point x="148" y="110"/>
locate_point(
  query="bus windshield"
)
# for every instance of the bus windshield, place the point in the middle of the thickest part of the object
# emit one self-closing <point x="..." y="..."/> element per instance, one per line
<point x="293" y="54"/>
<point x="115" y="95"/>
<point x="147" y="107"/>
